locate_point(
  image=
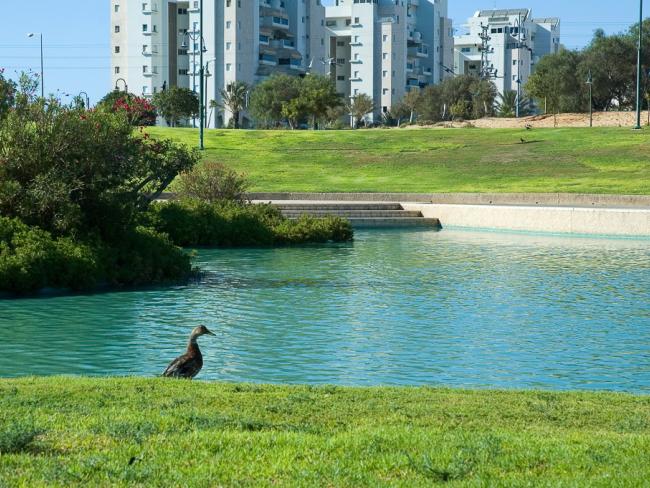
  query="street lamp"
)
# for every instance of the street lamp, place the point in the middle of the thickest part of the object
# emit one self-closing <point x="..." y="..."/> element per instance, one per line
<point x="117" y="88"/>
<point x="638" y="68"/>
<point x="34" y="34"/>
<point x="87" y="99"/>
<point x="201" y="76"/>
<point x="590" y="82"/>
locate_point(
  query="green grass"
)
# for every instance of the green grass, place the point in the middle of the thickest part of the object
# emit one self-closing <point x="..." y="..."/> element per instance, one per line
<point x="155" y="432"/>
<point x="599" y="160"/>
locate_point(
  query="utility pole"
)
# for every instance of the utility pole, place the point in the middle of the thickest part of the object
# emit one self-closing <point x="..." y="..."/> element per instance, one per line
<point x="638" y="68"/>
<point x="518" y="65"/>
<point x="487" y="72"/>
<point x="201" y="73"/>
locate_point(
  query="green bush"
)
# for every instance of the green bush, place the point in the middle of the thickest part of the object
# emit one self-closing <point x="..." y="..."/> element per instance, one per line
<point x="212" y="182"/>
<point x="31" y="259"/>
<point x="228" y="224"/>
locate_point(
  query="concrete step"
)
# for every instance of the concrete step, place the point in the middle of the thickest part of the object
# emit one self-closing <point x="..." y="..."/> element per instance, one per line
<point x="388" y="222"/>
<point x="350" y="214"/>
<point x="337" y="206"/>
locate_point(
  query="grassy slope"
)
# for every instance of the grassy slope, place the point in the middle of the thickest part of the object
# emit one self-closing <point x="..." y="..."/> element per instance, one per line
<point x="202" y="434"/>
<point x="600" y="160"/>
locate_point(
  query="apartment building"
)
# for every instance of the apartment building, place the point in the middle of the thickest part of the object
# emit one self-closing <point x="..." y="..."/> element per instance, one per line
<point x="385" y="48"/>
<point x="157" y="44"/>
<point x="507" y="44"/>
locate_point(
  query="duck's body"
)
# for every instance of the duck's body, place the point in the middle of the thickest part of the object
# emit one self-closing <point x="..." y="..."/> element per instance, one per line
<point x="189" y="364"/>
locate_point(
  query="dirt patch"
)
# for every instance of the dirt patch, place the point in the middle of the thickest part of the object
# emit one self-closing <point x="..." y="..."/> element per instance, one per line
<point x="601" y="119"/>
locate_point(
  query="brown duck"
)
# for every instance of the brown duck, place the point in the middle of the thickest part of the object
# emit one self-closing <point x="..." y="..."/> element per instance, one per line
<point x="189" y="364"/>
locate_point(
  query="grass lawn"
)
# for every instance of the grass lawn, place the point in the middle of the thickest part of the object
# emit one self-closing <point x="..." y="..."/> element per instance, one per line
<point x="575" y="160"/>
<point x="155" y="432"/>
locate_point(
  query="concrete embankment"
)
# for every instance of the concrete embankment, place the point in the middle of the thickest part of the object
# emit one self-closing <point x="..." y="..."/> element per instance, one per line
<point x="613" y="215"/>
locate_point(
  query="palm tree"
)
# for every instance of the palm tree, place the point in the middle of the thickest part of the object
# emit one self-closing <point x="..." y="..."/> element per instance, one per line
<point x="506" y="105"/>
<point x="359" y="106"/>
<point x="234" y="99"/>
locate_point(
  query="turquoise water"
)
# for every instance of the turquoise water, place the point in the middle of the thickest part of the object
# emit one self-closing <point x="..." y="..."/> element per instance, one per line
<point x="452" y="308"/>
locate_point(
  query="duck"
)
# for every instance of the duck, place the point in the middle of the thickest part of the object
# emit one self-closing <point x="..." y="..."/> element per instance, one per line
<point x="189" y="364"/>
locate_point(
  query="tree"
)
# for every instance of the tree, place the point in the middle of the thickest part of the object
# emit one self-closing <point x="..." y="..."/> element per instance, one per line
<point x="269" y="96"/>
<point x="506" y="106"/>
<point x="431" y="107"/>
<point x="612" y="63"/>
<point x="138" y="110"/>
<point x="233" y="99"/>
<point x="7" y="94"/>
<point x="359" y="106"/>
<point x="555" y="83"/>
<point x="411" y="101"/>
<point x="76" y="172"/>
<point x="317" y="94"/>
<point x="176" y="103"/>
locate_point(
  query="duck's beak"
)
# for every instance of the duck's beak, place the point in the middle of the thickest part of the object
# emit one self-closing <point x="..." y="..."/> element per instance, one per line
<point x="210" y="333"/>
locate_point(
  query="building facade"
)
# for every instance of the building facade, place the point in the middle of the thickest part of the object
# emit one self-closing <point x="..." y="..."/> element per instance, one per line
<point x="505" y="45"/>
<point x="157" y="44"/>
<point x="385" y="48"/>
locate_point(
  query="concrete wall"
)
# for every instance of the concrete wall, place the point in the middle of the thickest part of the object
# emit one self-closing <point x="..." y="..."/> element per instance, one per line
<point x="561" y="220"/>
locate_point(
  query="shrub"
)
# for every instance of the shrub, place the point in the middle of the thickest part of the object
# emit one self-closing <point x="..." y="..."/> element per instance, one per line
<point x="31" y="259"/>
<point x="212" y="182"/>
<point x="145" y="256"/>
<point x="228" y="224"/>
<point x="139" y="111"/>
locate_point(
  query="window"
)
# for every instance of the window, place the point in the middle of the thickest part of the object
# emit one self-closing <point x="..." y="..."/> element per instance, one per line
<point x="348" y="21"/>
<point x="145" y="90"/>
<point x="340" y="43"/>
<point x="228" y="24"/>
<point x="384" y="55"/>
<point x="182" y="52"/>
<point x="466" y="50"/>
<point x="385" y="91"/>
<point x="145" y="28"/>
<point x="117" y="29"/>
<point x="182" y="11"/>
<point x="384" y="74"/>
<point x="340" y="78"/>
<point x="356" y="20"/>
<point x="330" y="23"/>
<point x="228" y="66"/>
<point x="514" y="62"/>
<point x="228" y="44"/>
<point x="117" y="70"/>
<point x="228" y="3"/>
<point x="385" y="37"/>
<point x="183" y="72"/>
<point x="356" y="74"/>
<point x="117" y="49"/>
<point x="145" y="69"/>
<point x="144" y="48"/>
<point x="117" y="9"/>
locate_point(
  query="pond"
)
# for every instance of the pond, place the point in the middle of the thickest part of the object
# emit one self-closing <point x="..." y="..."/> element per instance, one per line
<point x="396" y="307"/>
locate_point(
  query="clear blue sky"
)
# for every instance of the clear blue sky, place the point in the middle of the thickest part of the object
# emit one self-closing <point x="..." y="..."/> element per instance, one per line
<point x="76" y="34"/>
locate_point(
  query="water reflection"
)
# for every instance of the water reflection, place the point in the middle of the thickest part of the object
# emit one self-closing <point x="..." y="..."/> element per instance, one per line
<point x="397" y="307"/>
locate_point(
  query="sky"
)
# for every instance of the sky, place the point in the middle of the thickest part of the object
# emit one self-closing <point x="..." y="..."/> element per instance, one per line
<point x="76" y="34"/>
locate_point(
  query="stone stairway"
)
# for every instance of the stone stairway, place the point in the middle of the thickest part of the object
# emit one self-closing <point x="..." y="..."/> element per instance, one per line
<point x="360" y="214"/>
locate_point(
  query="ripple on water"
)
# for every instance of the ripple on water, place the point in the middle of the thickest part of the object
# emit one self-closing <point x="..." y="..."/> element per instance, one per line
<point x="396" y="307"/>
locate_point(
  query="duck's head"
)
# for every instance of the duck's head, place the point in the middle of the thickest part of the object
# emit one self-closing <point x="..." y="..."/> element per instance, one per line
<point x="201" y="330"/>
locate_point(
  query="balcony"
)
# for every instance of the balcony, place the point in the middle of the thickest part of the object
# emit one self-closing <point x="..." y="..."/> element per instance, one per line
<point x="150" y="73"/>
<point x="268" y="60"/>
<point x="415" y="3"/>
<point x="420" y="52"/>
<point x="276" y="22"/>
<point x="413" y="82"/>
<point x="283" y="44"/>
<point x="154" y="30"/>
<point x="264" y="40"/>
<point x="296" y="64"/>
<point x="149" y="8"/>
<point x="427" y="72"/>
<point x="272" y="6"/>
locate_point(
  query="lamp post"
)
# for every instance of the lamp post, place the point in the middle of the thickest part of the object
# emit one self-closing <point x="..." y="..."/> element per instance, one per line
<point x="201" y="75"/>
<point x="87" y="99"/>
<point x="33" y="34"/>
<point x="192" y="37"/>
<point x="590" y="82"/>
<point x="638" y="68"/>
<point x="117" y="88"/>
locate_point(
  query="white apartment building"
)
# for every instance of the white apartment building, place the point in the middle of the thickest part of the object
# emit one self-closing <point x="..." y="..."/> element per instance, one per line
<point x="384" y="48"/>
<point x="517" y="41"/>
<point x="157" y="44"/>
